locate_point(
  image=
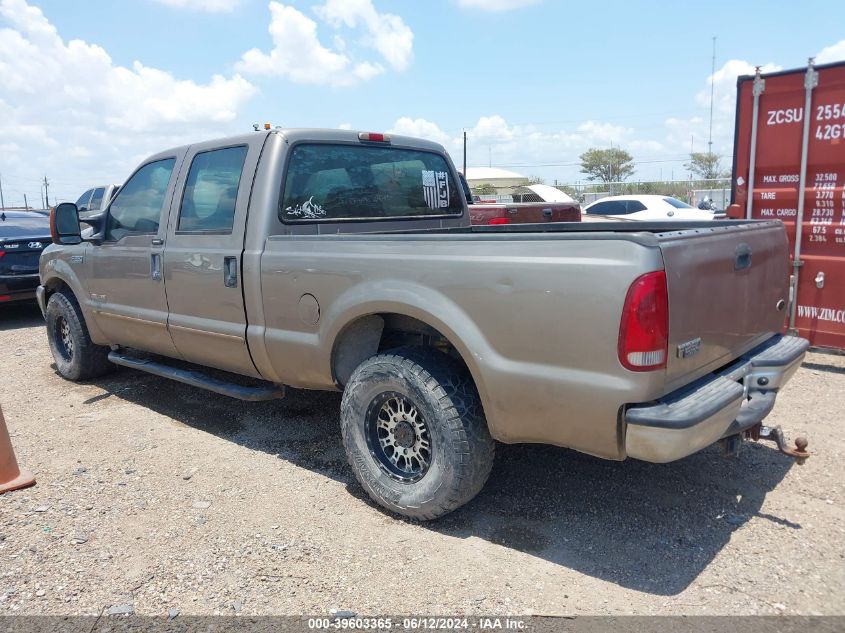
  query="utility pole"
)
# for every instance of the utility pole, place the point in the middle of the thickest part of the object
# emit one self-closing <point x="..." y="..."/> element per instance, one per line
<point x="2" y="202"/>
<point x="46" y="192"/>
<point x="41" y="191"/>
<point x="25" y="203"/>
<point x="465" y="153"/>
<point x="712" y="82"/>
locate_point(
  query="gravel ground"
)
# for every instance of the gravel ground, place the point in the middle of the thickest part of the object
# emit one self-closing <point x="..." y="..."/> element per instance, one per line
<point x="154" y="496"/>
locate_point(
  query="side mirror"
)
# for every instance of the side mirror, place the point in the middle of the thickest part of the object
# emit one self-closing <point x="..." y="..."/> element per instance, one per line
<point x="64" y="224"/>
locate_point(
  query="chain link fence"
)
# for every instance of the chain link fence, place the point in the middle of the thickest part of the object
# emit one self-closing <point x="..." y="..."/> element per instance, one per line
<point x="717" y="190"/>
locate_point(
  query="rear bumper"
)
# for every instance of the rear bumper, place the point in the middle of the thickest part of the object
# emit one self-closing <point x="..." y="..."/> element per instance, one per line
<point x="18" y="287"/>
<point x="726" y="403"/>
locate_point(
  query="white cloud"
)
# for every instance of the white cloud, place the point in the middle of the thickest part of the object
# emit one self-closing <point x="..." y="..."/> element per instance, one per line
<point x="724" y="84"/>
<point x="298" y="54"/>
<point x="834" y="53"/>
<point x="496" y="5"/>
<point x="684" y="134"/>
<point x="386" y="33"/>
<point x="527" y="148"/>
<point x="209" y="6"/>
<point x="420" y="128"/>
<point x="104" y="116"/>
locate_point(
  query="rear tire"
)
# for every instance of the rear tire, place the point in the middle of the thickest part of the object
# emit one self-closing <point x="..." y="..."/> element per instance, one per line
<point x="76" y="356"/>
<point x="414" y="432"/>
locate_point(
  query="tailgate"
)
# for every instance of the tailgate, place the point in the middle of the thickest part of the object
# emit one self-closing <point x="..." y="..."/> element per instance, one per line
<point x="728" y="291"/>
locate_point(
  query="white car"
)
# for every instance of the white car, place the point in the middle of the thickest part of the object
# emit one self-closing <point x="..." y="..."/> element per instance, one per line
<point x="648" y="208"/>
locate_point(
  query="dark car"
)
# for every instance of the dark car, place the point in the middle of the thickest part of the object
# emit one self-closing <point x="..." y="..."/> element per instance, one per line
<point x="23" y="235"/>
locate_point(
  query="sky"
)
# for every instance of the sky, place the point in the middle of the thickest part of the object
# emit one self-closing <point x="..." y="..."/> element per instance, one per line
<point x="88" y="88"/>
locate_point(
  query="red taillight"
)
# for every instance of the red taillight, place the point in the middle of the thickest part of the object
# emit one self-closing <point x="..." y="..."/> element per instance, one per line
<point x="373" y="137"/>
<point x="644" y="329"/>
<point x="5" y="297"/>
<point x="499" y="221"/>
<point x="2" y="253"/>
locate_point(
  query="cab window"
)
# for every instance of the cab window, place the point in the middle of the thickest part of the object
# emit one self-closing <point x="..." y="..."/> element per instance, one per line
<point x="208" y="202"/>
<point x="137" y="208"/>
<point x="82" y="203"/>
<point x="351" y="182"/>
<point x="611" y="207"/>
<point x="96" y="199"/>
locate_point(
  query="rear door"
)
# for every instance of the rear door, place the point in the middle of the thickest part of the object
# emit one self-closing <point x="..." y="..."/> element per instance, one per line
<point x="203" y="258"/>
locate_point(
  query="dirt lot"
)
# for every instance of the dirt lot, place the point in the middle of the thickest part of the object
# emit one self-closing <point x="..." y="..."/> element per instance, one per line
<point x="161" y="496"/>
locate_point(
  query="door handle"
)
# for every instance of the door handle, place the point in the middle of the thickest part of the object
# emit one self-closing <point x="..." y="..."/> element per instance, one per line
<point x="547" y="213"/>
<point x="155" y="267"/>
<point x="230" y="272"/>
<point x="157" y="241"/>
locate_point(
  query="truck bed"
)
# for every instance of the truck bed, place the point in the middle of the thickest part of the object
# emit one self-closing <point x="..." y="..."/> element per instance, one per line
<point x="591" y="227"/>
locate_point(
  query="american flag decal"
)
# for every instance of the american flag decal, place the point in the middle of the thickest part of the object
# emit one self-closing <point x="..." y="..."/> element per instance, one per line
<point x="436" y="189"/>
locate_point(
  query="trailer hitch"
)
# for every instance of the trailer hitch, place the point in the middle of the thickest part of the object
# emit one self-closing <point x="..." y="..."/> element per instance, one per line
<point x="775" y="434"/>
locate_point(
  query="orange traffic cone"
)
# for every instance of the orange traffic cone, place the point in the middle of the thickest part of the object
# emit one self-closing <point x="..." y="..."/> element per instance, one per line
<point x="11" y="476"/>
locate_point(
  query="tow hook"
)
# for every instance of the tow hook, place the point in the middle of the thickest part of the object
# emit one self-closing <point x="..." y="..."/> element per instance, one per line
<point x="775" y="434"/>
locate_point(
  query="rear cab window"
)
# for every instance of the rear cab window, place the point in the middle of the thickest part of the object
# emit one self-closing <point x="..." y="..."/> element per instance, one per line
<point x="338" y="182"/>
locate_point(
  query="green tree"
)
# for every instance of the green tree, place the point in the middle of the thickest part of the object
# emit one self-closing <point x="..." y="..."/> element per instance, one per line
<point x="484" y="189"/>
<point x="706" y="165"/>
<point x="607" y="165"/>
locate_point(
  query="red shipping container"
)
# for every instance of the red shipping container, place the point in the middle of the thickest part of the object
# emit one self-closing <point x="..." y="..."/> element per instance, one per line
<point x="789" y="152"/>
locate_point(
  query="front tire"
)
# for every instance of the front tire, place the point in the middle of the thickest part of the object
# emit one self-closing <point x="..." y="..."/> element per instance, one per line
<point x="76" y="356"/>
<point x="414" y="432"/>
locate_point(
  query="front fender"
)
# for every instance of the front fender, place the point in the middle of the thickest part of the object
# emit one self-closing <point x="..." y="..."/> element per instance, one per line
<point x="57" y="268"/>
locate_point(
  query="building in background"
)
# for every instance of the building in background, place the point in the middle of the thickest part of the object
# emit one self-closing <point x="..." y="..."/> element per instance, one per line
<point x="502" y="180"/>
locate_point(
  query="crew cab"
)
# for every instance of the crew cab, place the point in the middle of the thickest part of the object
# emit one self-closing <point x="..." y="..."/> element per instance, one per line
<point x="339" y="260"/>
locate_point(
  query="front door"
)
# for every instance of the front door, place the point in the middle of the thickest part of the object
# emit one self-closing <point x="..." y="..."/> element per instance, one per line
<point x="126" y="286"/>
<point x="202" y="261"/>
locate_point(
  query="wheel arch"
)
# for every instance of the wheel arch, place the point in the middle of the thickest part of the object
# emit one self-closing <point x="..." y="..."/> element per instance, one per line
<point x="365" y="329"/>
<point x="60" y="277"/>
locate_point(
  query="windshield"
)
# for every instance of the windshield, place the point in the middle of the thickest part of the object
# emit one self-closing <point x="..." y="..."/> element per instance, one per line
<point x="677" y="203"/>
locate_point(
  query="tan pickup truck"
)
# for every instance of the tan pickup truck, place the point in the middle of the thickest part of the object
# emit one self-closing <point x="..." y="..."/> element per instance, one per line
<point x="338" y="260"/>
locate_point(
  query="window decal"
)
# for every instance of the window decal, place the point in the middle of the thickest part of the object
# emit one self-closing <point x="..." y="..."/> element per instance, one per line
<point x="307" y="210"/>
<point x="436" y="189"/>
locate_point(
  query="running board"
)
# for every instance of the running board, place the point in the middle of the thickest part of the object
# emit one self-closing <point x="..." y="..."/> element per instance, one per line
<point x="197" y="379"/>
